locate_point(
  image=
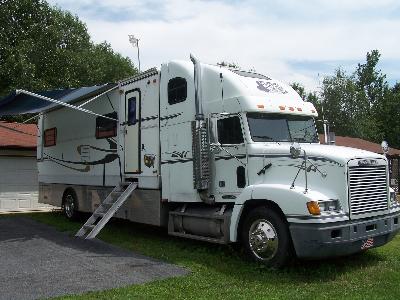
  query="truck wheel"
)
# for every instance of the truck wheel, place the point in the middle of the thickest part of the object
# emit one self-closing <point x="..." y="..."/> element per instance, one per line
<point x="70" y="205"/>
<point x="266" y="238"/>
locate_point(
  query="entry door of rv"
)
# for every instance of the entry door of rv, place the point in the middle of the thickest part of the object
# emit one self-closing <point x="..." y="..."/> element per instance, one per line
<point x="132" y="128"/>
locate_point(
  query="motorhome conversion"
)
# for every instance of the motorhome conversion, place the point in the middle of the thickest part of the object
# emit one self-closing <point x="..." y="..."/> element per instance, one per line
<point x="214" y="154"/>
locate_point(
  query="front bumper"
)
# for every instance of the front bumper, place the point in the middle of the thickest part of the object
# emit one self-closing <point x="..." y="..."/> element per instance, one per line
<point x="343" y="238"/>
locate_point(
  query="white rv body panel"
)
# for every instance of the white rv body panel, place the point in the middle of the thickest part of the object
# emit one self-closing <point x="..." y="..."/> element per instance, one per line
<point x="142" y="160"/>
<point x="78" y="156"/>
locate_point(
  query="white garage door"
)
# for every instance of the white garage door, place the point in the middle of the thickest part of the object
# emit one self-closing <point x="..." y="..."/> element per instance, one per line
<point x="18" y="183"/>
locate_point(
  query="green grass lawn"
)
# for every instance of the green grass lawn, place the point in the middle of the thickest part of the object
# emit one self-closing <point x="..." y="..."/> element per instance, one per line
<point x="221" y="272"/>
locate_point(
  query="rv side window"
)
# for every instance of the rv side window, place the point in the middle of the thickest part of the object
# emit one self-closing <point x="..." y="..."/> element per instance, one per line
<point x="105" y="127"/>
<point x="230" y="131"/>
<point x="50" y="137"/>
<point x="132" y="111"/>
<point x="177" y="90"/>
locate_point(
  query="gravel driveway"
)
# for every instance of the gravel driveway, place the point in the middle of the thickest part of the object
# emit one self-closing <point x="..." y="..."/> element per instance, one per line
<point x="36" y="261"/>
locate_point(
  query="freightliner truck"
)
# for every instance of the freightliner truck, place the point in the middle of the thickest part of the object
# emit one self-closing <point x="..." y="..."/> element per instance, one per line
<point x="213" y="154"/>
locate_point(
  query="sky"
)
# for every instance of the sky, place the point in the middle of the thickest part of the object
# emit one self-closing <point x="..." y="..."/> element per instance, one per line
<point x="289" y="40"/>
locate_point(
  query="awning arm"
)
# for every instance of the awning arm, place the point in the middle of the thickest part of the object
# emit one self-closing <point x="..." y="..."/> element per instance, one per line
<point x="62" y="103"/>
<point x="99" y="95"/>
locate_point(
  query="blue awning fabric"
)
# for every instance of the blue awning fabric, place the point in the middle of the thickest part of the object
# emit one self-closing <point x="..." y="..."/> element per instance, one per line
<point x="16" y="104"/>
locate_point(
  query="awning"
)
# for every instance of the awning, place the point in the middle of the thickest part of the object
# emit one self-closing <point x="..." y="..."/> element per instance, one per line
<point x="19" y="103"/>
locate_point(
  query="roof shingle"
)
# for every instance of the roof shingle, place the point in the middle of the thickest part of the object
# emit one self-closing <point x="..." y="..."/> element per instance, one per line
<point x="361" y="144"/>
<point x="16" y="135"/>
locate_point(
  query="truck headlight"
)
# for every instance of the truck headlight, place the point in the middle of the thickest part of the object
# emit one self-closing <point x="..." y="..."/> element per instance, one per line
<point x="318" y="207"/>
<point x="393" y="198"/>
<point x="332" y="205"/>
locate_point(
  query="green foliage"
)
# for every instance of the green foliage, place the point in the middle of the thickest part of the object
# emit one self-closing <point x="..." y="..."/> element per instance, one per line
<point x="43" y="47"/>
<point x="338" y="96"/>
<point x="360" y="104"/>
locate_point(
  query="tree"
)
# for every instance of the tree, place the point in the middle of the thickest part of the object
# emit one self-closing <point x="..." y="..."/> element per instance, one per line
<point x="372" y="97"/>
<point x="43" y="47"/>
<point x="396" y="88"/>
<point x="362" y="104"/>
<point x="338" y="97"/>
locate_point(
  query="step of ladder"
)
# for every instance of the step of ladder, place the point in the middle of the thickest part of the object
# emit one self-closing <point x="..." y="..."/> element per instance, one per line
<point x="106" y="210"/>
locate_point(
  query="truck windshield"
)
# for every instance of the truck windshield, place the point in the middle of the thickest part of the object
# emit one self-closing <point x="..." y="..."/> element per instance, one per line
<point x="282" y="128"/>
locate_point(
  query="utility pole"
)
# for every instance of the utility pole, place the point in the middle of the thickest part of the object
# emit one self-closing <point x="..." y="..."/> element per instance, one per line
<point x="135" y="43"/>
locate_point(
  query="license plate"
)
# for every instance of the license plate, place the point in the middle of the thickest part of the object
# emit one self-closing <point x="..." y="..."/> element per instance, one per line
<point x="368" y="243"/>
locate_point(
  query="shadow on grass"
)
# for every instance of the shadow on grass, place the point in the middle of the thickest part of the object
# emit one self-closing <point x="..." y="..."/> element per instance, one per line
<point x="215" y="259"/>
<point x="230" y="259"/>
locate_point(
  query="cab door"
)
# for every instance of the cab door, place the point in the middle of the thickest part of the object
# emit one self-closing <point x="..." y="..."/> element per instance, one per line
<point x="132" y="131"/>
<point x="230" y="161"/>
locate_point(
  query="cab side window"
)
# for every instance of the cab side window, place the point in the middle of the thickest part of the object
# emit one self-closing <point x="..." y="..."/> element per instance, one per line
<point x="230" y="131"/>
<point x="177" y="90"/>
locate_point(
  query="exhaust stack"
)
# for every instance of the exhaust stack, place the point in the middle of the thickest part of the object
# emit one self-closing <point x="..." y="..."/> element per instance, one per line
<point x="198" y="97"/>
<point x="200" y="140"/>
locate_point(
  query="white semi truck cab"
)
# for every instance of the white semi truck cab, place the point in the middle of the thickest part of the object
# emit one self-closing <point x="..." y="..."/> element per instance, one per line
<point x="218" y="155"/>
<point x="259" y="166"/>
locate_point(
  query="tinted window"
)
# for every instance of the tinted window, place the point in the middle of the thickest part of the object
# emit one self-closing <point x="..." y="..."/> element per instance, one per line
<point x="241" y="177"/>
<point x="106" y="127"/>
<point x="281" y="128"/>
<point x="177" y="90"/>
<point x="50" y="137"/>
<point x="230" y="131"/>
<point x="132" y="111"/>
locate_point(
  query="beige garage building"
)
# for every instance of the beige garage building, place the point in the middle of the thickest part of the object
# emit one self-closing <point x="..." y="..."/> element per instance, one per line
<point x="18" y="167"/>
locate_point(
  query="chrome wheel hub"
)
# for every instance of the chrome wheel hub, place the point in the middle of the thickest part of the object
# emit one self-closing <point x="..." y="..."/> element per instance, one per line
<point x="69" y="206"/>
<point x="263" y="239"/>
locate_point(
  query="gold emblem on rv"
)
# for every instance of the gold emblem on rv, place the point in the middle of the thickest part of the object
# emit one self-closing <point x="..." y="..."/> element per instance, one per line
<point x="149" y="160"/>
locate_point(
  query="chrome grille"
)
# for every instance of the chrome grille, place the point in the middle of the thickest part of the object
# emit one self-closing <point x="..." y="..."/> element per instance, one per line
<point x="368" y="190"/>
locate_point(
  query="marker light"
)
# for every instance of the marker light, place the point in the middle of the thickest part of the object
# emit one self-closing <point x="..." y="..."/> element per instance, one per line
<point x="299" y="109"/>
<point x="313" y="111"/>
<point x="291" y="108"/>
<point x="313" y="208"/>
<point x="260" y="105"/>
<point x="282" y="107"/>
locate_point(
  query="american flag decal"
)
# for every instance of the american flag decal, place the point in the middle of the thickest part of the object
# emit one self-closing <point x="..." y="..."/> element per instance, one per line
<point x="367" y="243"/>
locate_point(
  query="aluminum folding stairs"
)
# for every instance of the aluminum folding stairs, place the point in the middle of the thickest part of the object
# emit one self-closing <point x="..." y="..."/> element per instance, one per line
<point x="106" y="210"/>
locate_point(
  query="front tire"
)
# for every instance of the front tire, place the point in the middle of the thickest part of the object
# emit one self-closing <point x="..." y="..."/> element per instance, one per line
<point x="70" y="205"/>
<point x="266" y="238"/>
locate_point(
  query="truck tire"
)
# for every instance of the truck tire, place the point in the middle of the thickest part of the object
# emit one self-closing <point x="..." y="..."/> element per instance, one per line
<point x="266" y="238"/>
<point x="70" y="205"/>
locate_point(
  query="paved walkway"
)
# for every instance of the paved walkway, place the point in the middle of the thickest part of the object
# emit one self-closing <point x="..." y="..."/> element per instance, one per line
<point x="36" y="261"/>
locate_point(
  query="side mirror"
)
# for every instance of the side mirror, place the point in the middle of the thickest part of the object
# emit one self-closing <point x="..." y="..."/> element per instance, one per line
<point x="215" y="147"/>
<point x="295" y="150"/>
<point x="212" y="127"/>
<point x="385" y="147"/>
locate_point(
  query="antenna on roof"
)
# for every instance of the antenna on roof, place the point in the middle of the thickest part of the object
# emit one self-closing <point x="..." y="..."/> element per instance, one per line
<point x="135" y="43"/>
